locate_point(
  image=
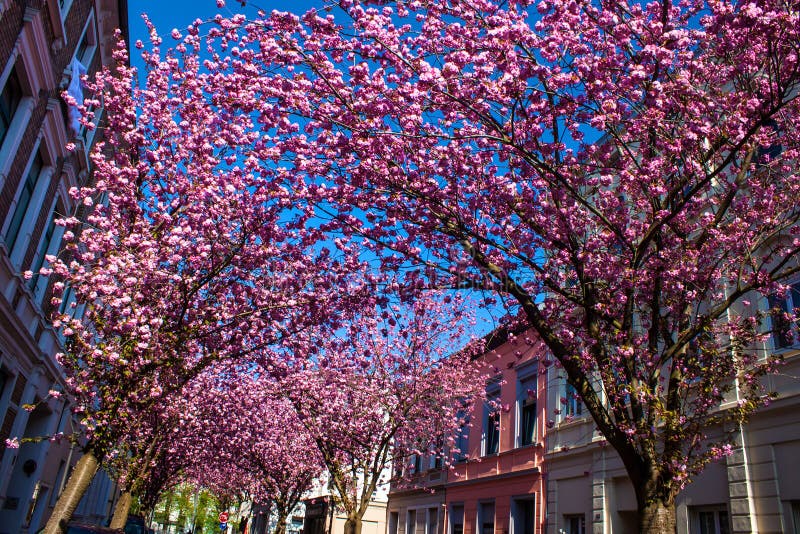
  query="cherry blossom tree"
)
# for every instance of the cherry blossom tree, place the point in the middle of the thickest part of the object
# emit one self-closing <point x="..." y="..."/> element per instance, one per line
<point x="249" y="439"/>
<point x="153" y="457"/>
<point x="386" y="386"/>
<point x="623" y="175"/>
<point x="184" y="253"/>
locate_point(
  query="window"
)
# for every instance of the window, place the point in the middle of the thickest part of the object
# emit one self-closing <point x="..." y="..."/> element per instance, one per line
<point x="438" y="461"/>
<point x="48" y="245"/>
<point x="526" y="411"/>
<point x="411" y="522"/>
<point x="575" y="524"/>
<point x="491" y="420"/>
<point x="769" y="153"/>
<point x="432" y="526"/>
<point x="3" y="382"/>
<point x="711" y="521"/>
<point x="81" y="63"/>
<point x="64" y="417"/>
<point x="784" y="313"/>
<point x="522" y="515"/>
<point x="24" y="200"/>
<point x="462" y="439"/>
<point x="9" y="102"/>
<point x="457" y="519"/>
<point x="85" y="55"/>
<point x="68" y="302"/>
<point x="37" y="505"/>
<point x="64" y="6"/>
<point x="572" y="404"/>
<point x="486" y="518"/>
<point x="435" y="454"/>
<point x="492" y="431"/>
<point x="88" y="44"/>
<point x="57" y="483"/>
<point x="417" y="463"/>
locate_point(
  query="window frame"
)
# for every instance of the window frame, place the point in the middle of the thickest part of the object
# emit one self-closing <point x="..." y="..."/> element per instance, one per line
<point x="26" y="191"/>
<point x="428" y="516"/>
<point x="580" y="527"/>
<point x="696" y="525"/>
<point x="49" y="245"/>
<point x="85" y="51"/>
<point x="794" y="510"/>
<point x="32" y="210"/>
<point x="452" y="515"/>
<point x="462" y="438"/>
<point x="789" y="305"/>
<point x="64" y="7"/>
<point x="527" y="380"/>
<point x="515" y="513"/>
<point x="573" y="407"/>
<point x="418" y="464"/>
<point x="23" y="111"/>
<point x="411" y="527"/>
<point x="491" y="413"/>
<point x="15" y="101"/>
<point x="481" y="519"/>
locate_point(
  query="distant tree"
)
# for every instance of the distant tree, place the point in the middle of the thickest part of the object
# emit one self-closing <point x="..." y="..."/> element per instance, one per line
<point x="387" y="386"/>
<point x="151" y="459"/>
<point x="249" y="440"/>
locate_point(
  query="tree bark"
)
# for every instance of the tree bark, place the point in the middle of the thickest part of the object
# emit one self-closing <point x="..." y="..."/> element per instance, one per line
<point x="121" y="510"/>
<point x="78" y="483"/>
<point x="657" y="518"/>
<point x="352" y="525"/>
<point x="280" y="527"/>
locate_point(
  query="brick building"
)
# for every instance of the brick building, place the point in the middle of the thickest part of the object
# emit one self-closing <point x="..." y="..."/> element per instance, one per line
<point x="43" y="44"/>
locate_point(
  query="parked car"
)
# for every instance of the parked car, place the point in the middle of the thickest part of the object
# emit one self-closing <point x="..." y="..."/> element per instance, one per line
<point x="135" y="525"/>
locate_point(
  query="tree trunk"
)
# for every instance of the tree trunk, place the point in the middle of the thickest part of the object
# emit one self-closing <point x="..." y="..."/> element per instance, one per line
<point x="352" y="525"/>
<point x="78" y="483"/>
<point x="280" y="527"/>
<point x="121" y="510"/>
<point x="657" y="518"/>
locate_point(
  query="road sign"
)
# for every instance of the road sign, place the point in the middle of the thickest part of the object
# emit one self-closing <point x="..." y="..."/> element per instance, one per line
<point x="223" y="526"/>
<point x="223" y="517"/>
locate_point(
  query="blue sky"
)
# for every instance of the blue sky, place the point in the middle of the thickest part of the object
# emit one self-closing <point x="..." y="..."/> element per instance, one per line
<point x="168" y="14"/>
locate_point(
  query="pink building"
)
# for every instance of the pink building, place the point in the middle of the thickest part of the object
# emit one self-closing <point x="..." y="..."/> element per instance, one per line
<point x="495" y="483"/>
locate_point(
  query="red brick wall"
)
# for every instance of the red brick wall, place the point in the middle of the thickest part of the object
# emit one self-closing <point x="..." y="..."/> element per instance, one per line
<point x="10" y="28"/>
<point x="9" y="31"/>
<point x="73" y="26"/>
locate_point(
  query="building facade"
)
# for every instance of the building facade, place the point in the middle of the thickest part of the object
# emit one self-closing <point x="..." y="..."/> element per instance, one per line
<point x="495" y="482"/>
<point x="562" y="477"/>
<point x="44" y="45"/>
<point x="318" y="516"/>
<point x="755" y="490"/>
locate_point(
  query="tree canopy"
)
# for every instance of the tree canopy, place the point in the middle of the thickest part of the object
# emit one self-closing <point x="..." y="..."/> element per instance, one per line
<point x="621" y="176"/>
